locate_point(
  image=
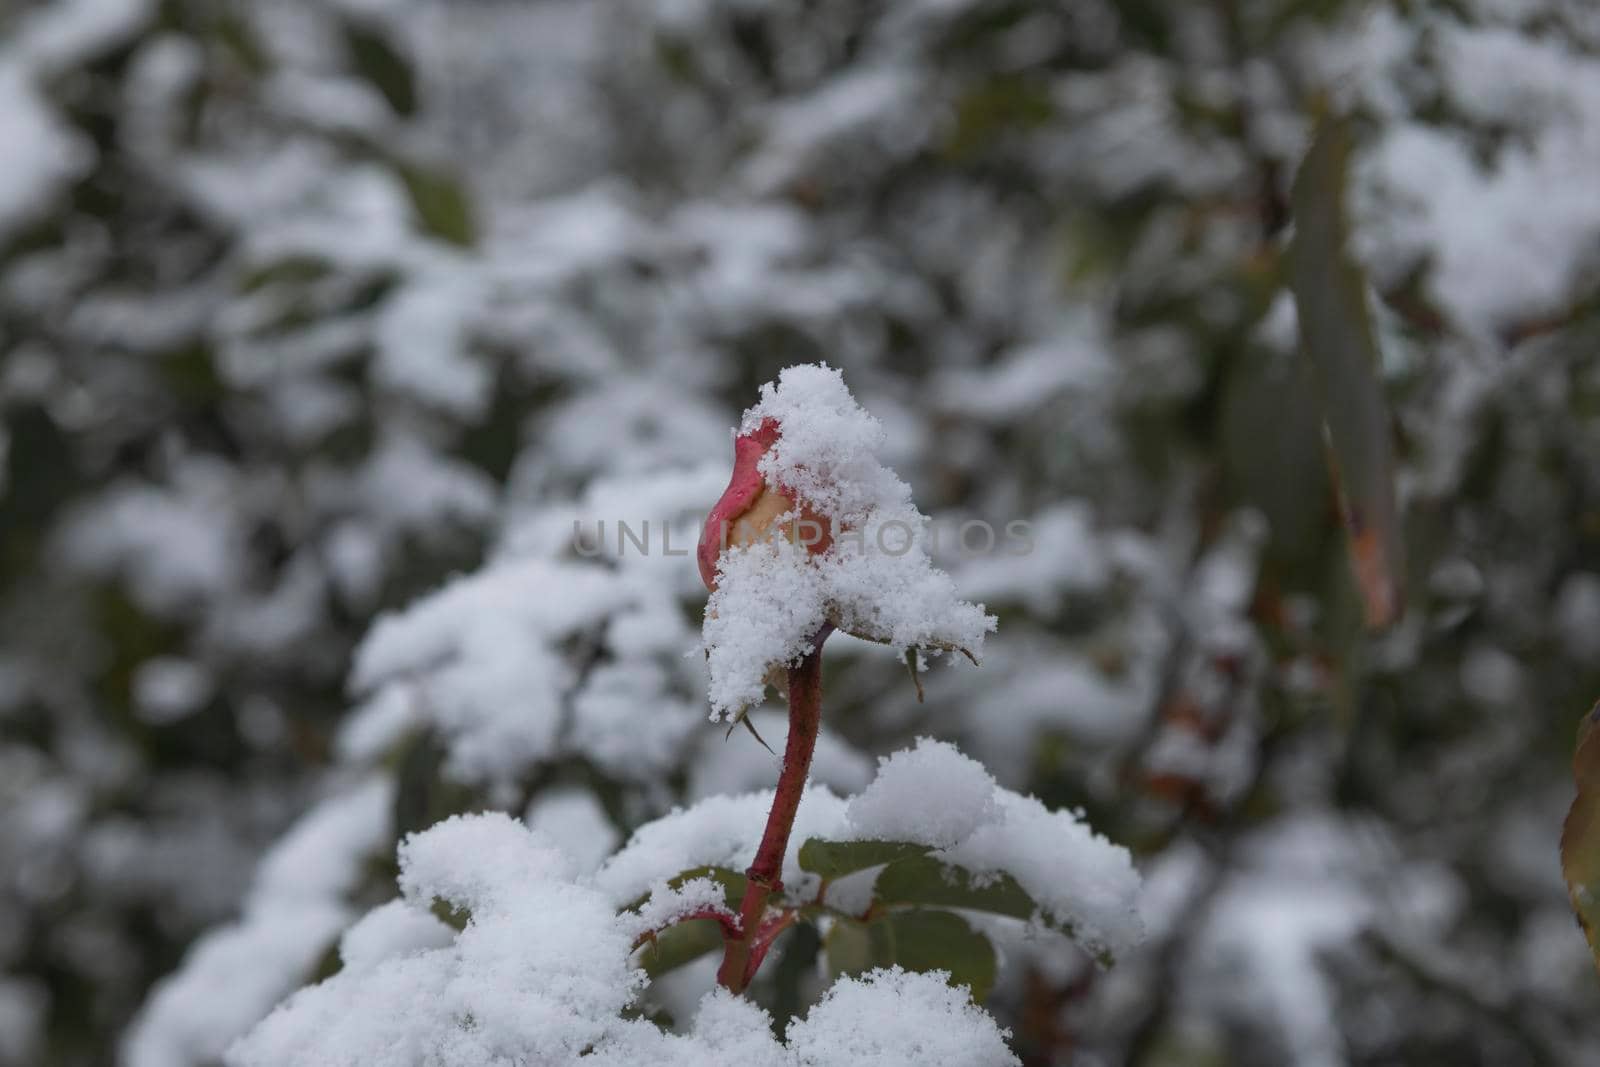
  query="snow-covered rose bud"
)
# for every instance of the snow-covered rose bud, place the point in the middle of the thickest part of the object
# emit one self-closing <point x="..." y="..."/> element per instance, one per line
<point x="751" y="507"/>
<point x="813" y="531"/>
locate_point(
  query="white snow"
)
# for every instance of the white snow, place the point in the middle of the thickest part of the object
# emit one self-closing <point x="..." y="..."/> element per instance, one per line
<point x="931" y="794"/>
<point x="296" y="909"/>
<point x="41" y="153"/>
<point x="168" y="688"/>
<point x="574" y="820"/>
<point x="482" y="658"/>
<point x="541" y="974"/>
<point x="1506" y="236"/>
<point x="390" y="930"/>
<point x="892" y="1017"/>
<point x="719" y="831"/>
<point x="668" y="904"/>
<point x="874" y="581"/>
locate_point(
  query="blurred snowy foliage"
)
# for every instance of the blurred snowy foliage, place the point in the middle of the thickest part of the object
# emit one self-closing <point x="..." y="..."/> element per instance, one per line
<point x="322" y="323"/>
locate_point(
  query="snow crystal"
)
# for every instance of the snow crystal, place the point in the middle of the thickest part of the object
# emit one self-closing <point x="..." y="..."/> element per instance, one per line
<point x="889" y="1018"/>
<point x="930" y="794"/>
<point x="875" y="580"/>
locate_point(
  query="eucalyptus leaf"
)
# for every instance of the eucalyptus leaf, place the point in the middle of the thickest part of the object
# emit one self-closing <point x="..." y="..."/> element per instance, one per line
<point x="1336" y="333"/>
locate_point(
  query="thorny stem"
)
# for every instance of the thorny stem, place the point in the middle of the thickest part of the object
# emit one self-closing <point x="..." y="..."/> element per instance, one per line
<point x="743" y="953"/>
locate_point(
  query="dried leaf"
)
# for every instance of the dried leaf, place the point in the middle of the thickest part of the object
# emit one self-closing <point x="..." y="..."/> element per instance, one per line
<point x="1580" y="834"/>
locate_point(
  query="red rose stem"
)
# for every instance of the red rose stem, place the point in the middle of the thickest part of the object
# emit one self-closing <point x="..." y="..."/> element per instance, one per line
<point x="764" y="878"/>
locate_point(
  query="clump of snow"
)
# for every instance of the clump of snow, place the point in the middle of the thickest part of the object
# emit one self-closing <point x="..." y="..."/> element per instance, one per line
<point x="1080" y="880"/>
<point x="42" y="152"/>
<point x="541" y="974"/>
<point x="874" y="581"/>
<point x="423" y="350"/>
<point x="826" y="451"/>
<point x="57" y="35"/>
<point x="934" y="795"/>
<point x="485" y="652"/>
<point x="891" y="1017"/>
<point x="174" y="546"/>
<point x="575" y="821"/>
<point x="168" y="688"/>
<point x="389" y="930"/>
<point x="716" y="832"/>
<point x="296" y="910"/>
<point x="502" y="854"/>
<point x="768" y="605"/>
<point x="668" y="904"/>
<point x="1506" y="237"/>
<point x="930" y="794"/>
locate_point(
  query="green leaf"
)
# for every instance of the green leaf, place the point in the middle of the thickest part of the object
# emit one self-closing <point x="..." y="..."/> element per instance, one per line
<point x="925" y="880"/>
<point x="678" y="945"/>
<point x="1580" y="835"/>
<point x="835" y="859"/>
<point x="376" y="59"/>
<point x="442" y="205"/>
<point x="1270" y="396"/>
<point x="927" y="940"/>
<point x="918" y="939"/>
<point x="1336" y="334"/>
<point x="848" y="948"/>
